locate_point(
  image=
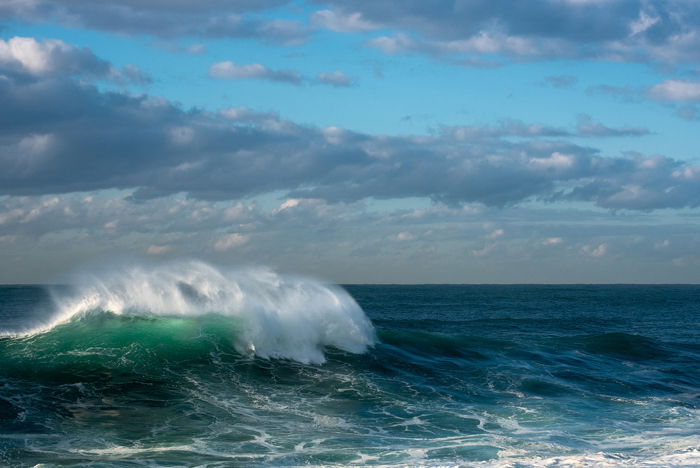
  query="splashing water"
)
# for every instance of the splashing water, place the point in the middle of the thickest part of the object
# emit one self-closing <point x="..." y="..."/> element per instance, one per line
<point x="277" y="316"/>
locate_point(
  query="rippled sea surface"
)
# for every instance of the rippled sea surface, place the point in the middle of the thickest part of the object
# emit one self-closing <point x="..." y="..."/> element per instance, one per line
<point x="442" y="376"/>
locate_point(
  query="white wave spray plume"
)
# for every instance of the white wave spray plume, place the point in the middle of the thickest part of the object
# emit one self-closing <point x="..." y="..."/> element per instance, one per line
<point x="280" y="316"/>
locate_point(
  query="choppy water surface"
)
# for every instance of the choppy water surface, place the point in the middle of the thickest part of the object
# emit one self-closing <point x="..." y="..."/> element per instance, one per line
<point x="186" y="365"/>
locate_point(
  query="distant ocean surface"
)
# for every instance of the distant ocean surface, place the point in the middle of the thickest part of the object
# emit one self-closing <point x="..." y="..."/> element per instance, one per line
<point x="188" y="365"/>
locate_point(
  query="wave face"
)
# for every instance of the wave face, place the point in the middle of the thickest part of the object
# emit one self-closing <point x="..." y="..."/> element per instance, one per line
<point x="187" y="365"/>
<point x="269" y="315"/>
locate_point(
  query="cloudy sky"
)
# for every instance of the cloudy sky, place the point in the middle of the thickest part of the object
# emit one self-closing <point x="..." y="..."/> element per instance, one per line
<point x="378" y="141"/>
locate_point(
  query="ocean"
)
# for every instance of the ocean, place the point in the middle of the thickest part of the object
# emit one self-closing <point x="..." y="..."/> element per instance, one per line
<point x="186" y="364"/>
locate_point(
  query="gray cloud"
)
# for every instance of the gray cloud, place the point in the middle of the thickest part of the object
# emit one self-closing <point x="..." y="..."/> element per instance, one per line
<point x="206" y="18"/>
<point x="337" y="78"/>
<point x="229" y="70"/>
<point x="682" y="94"/>
<point x="689" y="112"/>
<point x="506" y="128"/>
<point x="59" y="135"/>
<point x="623" y="93"/>
<point x="629" y="30"/>
<point x="173" y="46"/>
<point x="643" y="183"/>
<point x="588" y="128"/>
<point x="560" y="81"/>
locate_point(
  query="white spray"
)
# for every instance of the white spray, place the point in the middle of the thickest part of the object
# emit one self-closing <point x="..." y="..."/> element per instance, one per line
<point x="281" y="316"/>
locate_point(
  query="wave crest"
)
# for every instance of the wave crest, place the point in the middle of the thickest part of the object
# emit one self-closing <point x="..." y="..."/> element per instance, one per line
<point x="280" y="316"/>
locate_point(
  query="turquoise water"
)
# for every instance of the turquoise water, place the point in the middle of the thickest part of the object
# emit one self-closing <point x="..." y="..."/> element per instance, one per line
<point x="187" y="365"/>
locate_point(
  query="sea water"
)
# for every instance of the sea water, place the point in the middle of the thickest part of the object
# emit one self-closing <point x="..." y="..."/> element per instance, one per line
<point x="189" y="365"/>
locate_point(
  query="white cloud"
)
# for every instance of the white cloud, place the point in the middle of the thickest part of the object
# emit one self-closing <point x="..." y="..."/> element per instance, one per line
<point x="555" y="160"/>
<point x="404" y="236"/>
<point x="53" y="57"/>
<point x="230" y="241"/>
<point x="9" y="216"/>
<point x="287" y="204"/>
<point x="232" y="71"/>
<point x="245" y="114"/>
<point x="553" y="241"/>
<point x="35" y="57"/>
<point x="595" y="251"/>
<point x="487" y="249"/>
<point x="496" y="234"/>
<point x="339" y="21"/>
<point x="302" y="208"/>
<point x="482" y="43"/>
<point x="676" y="91"/>
<point x="43" y="58"/>
<point x="399" y="44"/>
<point x="196" y="49"/>
<point x="237" y="211"/>
<point x="158" y="249"/>
<point x="334" y="135"/>
<point x="644" y="22"/>
<point x="687" y="173"/>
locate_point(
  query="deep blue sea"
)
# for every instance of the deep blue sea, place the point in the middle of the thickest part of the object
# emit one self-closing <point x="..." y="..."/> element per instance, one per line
<point x="189" y="365"/>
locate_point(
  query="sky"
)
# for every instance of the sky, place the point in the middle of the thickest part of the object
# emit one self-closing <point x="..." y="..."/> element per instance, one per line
<point x="382" y="141"/>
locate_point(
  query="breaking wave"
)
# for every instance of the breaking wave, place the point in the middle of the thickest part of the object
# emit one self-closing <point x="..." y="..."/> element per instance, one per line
<point x="266" y="314"/>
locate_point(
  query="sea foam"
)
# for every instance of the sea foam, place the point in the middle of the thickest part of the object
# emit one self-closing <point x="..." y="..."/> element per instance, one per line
<point x="279" y="316"/>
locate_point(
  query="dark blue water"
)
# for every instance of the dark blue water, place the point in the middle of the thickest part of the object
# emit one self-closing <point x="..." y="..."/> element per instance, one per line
<point x="470" y="375"/>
